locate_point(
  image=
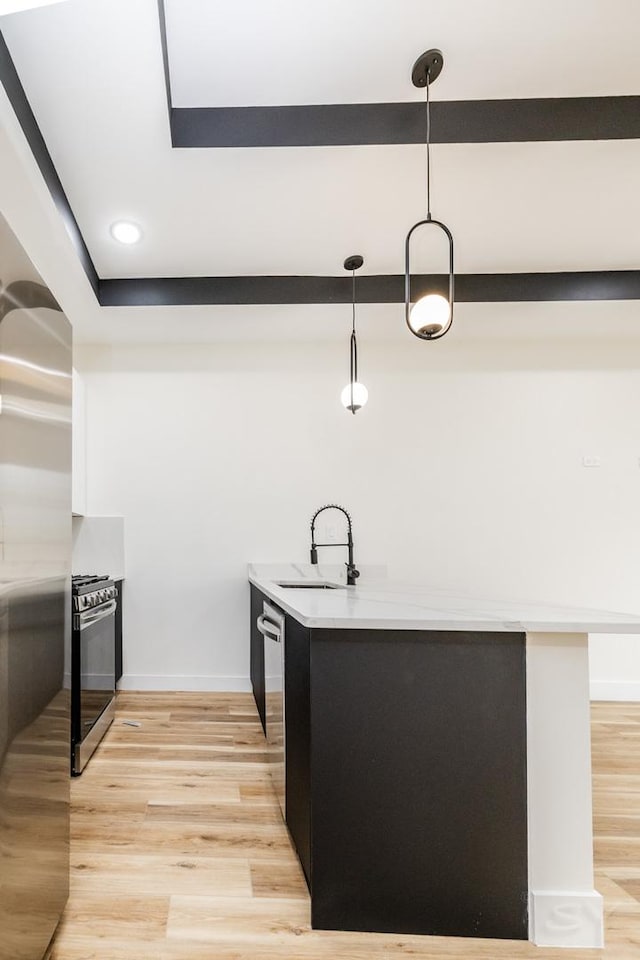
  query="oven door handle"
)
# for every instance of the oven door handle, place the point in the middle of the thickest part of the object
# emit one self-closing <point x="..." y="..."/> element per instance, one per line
<point x="88" y="618"/>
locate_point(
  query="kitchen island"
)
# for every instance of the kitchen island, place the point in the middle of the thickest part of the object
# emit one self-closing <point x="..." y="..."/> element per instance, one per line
<point x="438" y="770"/>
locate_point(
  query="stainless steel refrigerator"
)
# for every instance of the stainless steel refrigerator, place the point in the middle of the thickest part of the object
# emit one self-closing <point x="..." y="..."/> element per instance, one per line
<point x="35" y="567"/>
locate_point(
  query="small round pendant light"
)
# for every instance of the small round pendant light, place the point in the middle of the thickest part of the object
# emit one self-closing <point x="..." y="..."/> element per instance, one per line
<point x="430" y="317"/>
<point x="355" y="394"/>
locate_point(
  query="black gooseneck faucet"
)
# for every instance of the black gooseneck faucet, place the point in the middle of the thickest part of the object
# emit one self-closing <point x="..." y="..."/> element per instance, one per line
<point x="352" y="573"/>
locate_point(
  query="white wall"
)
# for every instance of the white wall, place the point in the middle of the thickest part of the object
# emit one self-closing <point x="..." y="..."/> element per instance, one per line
<point x="98" y="546"/>
<point x="464" y="470"/>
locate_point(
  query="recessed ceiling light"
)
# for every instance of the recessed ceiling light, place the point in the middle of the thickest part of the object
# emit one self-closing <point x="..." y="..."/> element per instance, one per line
<point x="124" y="231"/>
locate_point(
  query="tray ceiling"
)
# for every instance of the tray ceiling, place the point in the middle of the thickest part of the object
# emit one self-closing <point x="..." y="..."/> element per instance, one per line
<point x="93" y="73"/>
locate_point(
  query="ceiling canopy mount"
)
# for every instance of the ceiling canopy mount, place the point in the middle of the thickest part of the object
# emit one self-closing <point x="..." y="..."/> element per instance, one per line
<point x="427" y="67"/>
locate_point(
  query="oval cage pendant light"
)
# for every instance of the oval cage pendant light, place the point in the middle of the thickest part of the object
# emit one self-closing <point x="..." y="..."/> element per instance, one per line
<point x="431" y="316"/>
<point x="355" y="394"/>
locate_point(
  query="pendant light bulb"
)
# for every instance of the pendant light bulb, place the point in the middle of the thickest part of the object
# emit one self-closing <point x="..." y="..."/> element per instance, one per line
<point x="354" y="396"/>
<point x="430" y="316"/>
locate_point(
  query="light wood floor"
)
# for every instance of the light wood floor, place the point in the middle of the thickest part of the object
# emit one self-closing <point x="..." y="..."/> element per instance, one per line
<point x="179" y="852"/>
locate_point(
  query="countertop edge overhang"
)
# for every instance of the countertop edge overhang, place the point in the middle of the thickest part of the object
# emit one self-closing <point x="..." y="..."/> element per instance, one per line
<point x="393" y="606"/>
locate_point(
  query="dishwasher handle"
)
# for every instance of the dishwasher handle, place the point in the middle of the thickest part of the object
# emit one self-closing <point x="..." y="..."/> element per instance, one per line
<point x="268" y="629"/>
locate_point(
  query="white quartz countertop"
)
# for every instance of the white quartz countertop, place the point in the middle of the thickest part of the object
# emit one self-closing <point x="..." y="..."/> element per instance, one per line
<point x="380" y="604"/>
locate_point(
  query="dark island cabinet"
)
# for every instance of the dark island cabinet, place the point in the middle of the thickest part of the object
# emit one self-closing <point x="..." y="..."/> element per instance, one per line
<point x="418" y="782"/>
<point x="406" y="778"/>
<point x="256" y="653"/>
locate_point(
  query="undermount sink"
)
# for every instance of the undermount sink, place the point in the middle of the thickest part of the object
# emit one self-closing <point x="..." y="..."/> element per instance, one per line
<point x="308" y="585"/>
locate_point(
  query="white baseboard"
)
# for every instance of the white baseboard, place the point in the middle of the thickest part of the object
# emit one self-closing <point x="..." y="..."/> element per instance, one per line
<point x="204" y="684"/>
<point x="98" y="681"/>
<point x="565" y="919"/>
<point x="614" y="690"/>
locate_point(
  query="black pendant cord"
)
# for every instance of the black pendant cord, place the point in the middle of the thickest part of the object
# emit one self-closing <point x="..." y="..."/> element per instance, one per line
<point x="428" y="150"/>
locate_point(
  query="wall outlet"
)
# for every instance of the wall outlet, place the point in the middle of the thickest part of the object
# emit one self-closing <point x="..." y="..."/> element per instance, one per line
<point x="591" y="462"/>
<point x="332" y="533"/>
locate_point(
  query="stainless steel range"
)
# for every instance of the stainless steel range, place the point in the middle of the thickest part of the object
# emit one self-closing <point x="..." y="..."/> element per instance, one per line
<point x="93" y="685"/>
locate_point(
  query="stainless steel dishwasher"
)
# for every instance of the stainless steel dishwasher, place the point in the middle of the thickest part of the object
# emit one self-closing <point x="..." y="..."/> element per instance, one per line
<point x="271" y="626"/>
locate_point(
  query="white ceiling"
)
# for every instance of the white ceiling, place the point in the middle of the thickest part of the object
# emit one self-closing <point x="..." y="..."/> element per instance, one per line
<point x="252" y="52"/>
<point x="93" y="72"/>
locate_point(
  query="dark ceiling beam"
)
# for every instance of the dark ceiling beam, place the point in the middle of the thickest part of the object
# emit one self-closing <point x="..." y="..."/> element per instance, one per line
<point x="463" y="121"/>
<point x="22" y="109"/>
<point x="470" y="288"/>
<point x="353" y="124"/>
